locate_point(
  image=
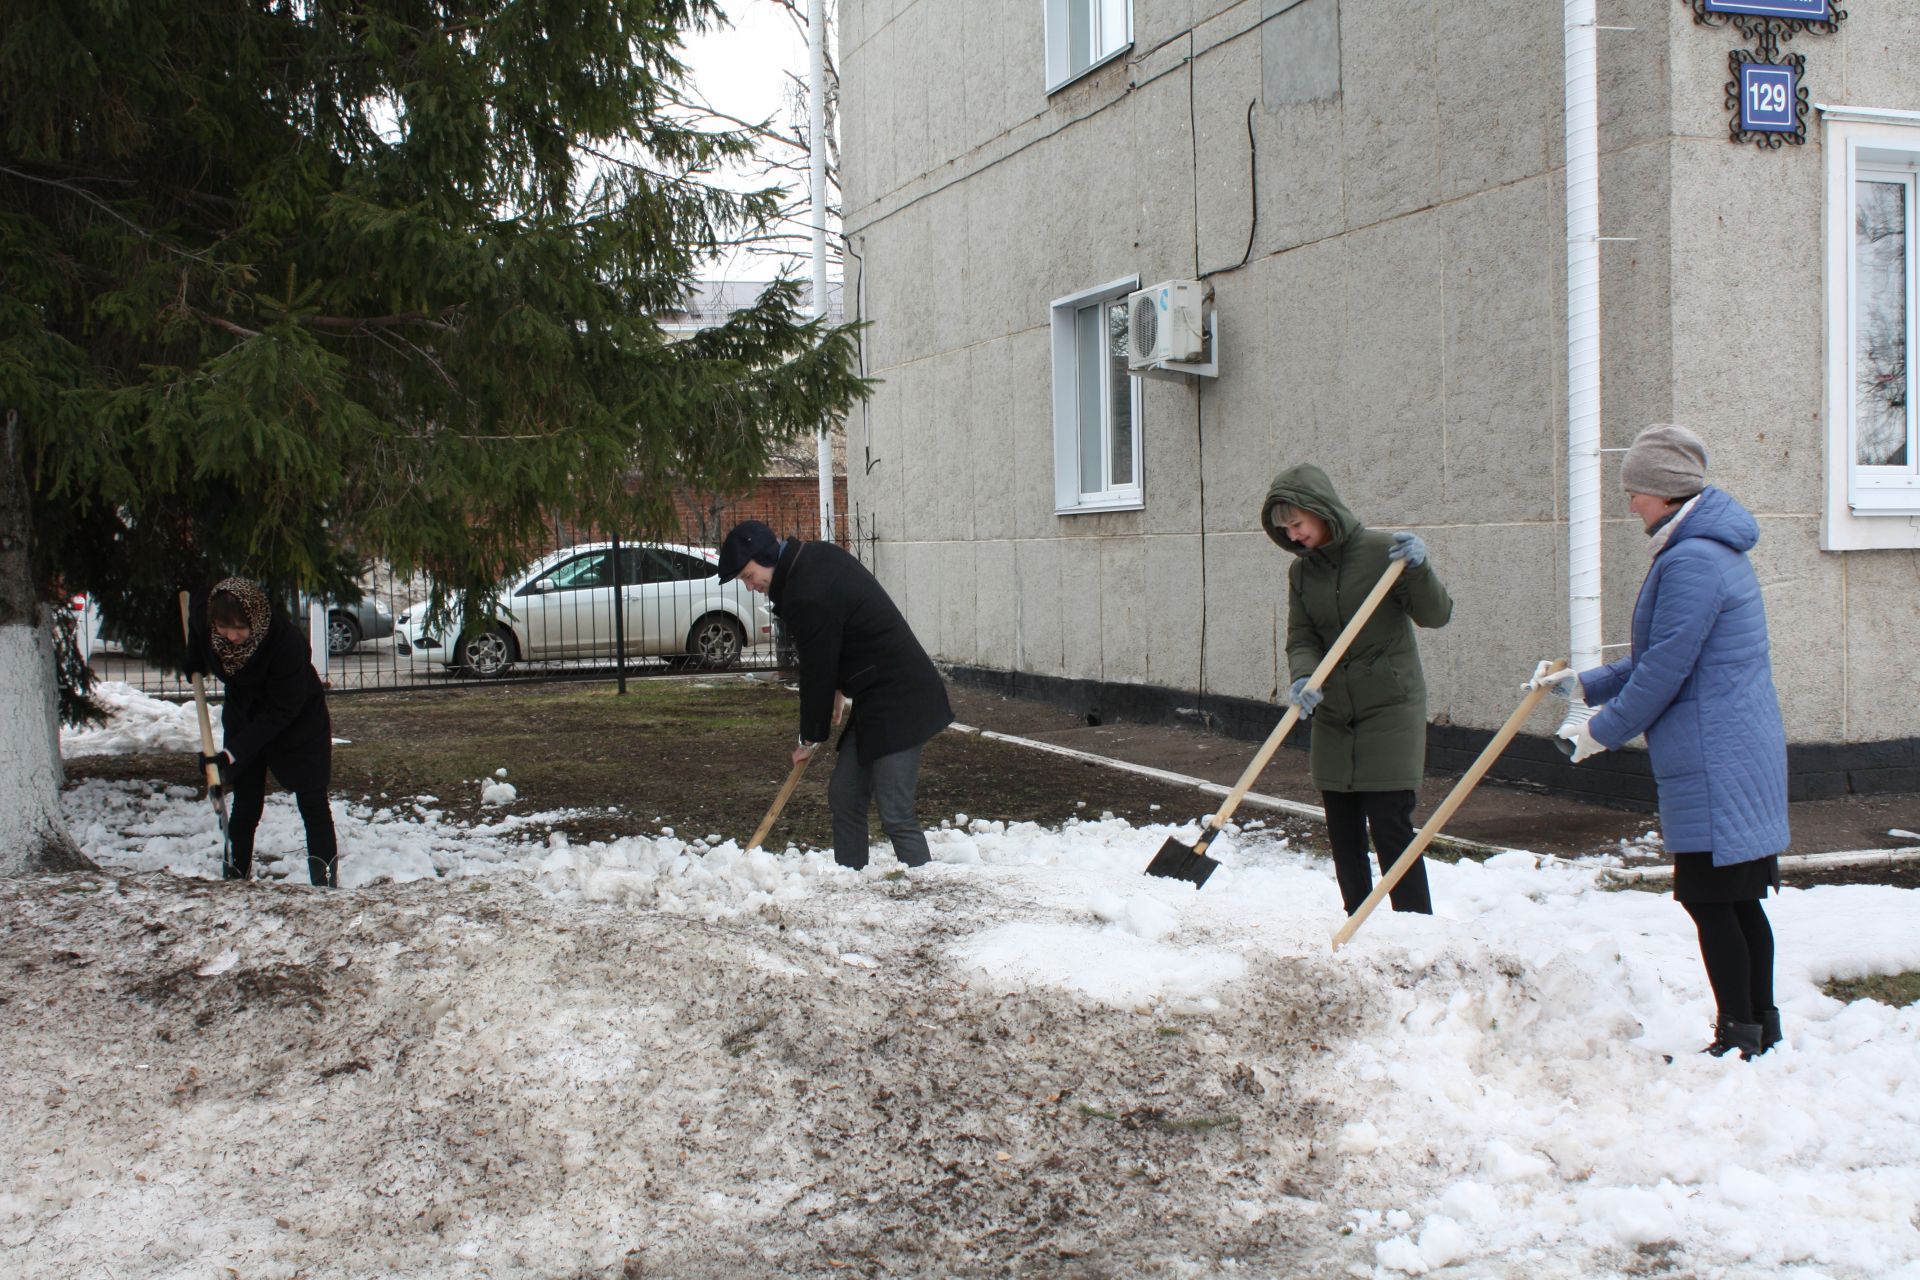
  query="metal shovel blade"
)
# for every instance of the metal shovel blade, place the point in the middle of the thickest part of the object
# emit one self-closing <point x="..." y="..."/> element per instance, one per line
<point x="1176" y="861"/>
<point x="218" y="799"/>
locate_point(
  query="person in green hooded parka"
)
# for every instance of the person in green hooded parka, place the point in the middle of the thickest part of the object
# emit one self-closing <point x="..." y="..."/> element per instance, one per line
<point x="1370" y="718"/>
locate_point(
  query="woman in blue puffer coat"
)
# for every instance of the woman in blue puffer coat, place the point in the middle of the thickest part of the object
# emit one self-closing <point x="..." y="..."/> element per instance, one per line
<point x="1699" y="683"/>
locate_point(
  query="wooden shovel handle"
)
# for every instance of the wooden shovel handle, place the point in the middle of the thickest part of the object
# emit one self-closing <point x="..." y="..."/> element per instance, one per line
<point x="780" y="801"/>
<point x="199" y="694"/>
<point x="1319" y="677"/>
<point x="1442" y="815"/>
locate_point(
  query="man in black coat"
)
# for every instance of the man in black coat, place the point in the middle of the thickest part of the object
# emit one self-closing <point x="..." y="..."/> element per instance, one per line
<point x="855" y="650"/>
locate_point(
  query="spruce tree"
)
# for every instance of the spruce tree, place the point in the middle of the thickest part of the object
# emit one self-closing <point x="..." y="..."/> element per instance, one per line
<point x="285" y="284"/>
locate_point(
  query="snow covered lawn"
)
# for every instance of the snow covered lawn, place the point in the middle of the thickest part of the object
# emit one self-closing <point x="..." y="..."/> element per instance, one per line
<point x="500" y="1054"/>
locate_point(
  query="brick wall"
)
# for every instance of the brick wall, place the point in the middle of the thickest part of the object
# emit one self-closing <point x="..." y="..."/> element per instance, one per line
<point x="791" y="504"/>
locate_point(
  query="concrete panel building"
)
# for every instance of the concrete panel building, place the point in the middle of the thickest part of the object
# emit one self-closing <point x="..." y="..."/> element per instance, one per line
<point x="1375" y="193"/>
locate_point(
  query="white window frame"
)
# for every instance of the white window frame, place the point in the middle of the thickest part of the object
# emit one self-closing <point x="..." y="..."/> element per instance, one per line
<point x="1068" y="497"/>
<point x="1865" y="507"/>
<point x="1110" y="25"/>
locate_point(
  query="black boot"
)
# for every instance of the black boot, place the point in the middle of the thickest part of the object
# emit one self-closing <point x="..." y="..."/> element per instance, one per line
<point x="1769" y="1029"/>
<point x="1729" y="1035"/>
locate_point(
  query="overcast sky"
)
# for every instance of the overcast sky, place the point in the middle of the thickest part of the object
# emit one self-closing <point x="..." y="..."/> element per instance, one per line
<point x="740" y="69"/>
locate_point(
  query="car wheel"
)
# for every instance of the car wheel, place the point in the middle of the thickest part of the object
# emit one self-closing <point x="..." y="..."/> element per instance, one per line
<point x="343" y="634"/>
<point x="715" y="642"/>
<point x="490" y="653"/>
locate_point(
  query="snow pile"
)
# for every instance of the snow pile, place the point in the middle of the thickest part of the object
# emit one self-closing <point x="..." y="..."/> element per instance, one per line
<point x="657" y="1055"/>
<point x="136" y="722"/>
<point x="714" y="882"/>
<point x="132" y="827"/>
<point x="1645" y="847"/>
<point x="1534" y="1050"/>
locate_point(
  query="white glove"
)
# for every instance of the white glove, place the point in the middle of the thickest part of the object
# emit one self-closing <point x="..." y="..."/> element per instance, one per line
<point x="1564" y="683"/>
<point x="1577" y="742"/>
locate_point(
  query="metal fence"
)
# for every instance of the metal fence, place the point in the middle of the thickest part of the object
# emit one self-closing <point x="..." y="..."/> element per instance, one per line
<point x="593" y="606"/>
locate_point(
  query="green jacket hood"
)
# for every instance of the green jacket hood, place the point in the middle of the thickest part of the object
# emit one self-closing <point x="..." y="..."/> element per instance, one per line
<point x="1307" y="487"/>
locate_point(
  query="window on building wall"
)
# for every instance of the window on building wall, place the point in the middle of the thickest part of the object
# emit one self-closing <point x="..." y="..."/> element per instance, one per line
<point x="1096" y="403"/>
<point x="1082" y="34"/>
<point x="1882" y="320"/>
<point x="1873" y="326"/>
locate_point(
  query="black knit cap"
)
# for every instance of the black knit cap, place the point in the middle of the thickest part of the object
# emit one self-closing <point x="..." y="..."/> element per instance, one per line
<point x="748" y="540"/>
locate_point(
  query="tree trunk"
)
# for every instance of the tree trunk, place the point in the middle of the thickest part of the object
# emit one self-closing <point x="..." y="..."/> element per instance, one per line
<point x="32" y="835"/>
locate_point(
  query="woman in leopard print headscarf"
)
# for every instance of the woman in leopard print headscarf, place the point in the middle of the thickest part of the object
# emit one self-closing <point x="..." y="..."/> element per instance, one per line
<point x="274" y="719"/>
<point x="238" y="606"/>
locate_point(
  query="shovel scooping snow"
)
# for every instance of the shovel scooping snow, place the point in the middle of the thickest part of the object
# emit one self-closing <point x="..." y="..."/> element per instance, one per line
<point x="1176" y="861"/>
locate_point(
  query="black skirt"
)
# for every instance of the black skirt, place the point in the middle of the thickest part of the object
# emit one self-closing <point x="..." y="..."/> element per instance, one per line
<point x="1696" y="879"/>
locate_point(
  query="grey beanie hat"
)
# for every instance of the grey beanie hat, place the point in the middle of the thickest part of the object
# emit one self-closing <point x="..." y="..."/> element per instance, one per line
<point x="1666" y="461"/>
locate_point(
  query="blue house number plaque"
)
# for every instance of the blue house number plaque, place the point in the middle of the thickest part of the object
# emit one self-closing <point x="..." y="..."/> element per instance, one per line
<point x="1766" y="98"/>
<point x="1807" y="10"/>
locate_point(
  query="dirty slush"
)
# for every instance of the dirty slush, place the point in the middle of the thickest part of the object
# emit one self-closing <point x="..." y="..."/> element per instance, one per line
<point x="468" y="1071"/>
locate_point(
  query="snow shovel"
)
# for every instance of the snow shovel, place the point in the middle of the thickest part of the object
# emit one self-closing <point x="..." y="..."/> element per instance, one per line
<point x="780" y="801"/>
<point x="1177" y="861"/>
<point x="1444" y="814"/>
<point x="216" y="792"/>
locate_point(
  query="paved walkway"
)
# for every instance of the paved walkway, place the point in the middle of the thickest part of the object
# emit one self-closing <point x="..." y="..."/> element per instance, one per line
<point x="1497" y="813"/>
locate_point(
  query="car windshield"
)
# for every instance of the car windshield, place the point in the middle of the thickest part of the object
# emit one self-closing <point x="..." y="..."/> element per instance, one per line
<point x="582" y="571"/>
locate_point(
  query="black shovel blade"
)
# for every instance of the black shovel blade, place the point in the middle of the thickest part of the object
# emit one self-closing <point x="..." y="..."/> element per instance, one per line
<point x="1176" y="861"/>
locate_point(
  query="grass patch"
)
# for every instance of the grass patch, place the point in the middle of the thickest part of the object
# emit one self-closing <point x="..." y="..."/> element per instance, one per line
<point x="742" y="1040"/>
<point x="665" y="750"/>
<point x="1896" y="989"/>
<point x="702" y="756"/>
<point x="1199" y="1124"/>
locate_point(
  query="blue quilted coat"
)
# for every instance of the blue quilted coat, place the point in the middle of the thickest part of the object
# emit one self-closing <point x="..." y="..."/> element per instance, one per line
<point x="1699" y="684"/>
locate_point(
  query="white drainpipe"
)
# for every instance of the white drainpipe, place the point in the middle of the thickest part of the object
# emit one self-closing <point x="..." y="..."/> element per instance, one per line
<point x="817" y="182"/>
<point x="1583" y="335"/>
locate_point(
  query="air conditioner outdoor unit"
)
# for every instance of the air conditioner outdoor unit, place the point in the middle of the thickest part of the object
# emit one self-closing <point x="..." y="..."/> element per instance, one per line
<point x="1166" y="323"/>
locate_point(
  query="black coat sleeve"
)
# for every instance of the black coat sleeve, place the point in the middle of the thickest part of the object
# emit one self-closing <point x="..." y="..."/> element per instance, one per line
<point x="199" y="661"/>
<point x="817" y="628"/>
<point x="287" y="686"/>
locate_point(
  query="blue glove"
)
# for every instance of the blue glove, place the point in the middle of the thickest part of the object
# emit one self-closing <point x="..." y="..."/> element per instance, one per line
<point x="1304" y="698"/>
<point x="1408" y="547"/>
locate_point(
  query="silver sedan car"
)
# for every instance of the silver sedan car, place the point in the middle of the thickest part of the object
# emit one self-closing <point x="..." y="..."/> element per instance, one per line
<point x="351" y="625"/>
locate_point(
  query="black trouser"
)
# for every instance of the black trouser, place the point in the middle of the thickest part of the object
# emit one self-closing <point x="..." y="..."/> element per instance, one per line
<point x="1389" y="816"/>
<point x="1736" y="942"/>
<point x="247" y="787"/>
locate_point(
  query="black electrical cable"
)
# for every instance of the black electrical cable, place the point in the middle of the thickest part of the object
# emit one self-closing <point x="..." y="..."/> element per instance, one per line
<point x="1253" y="200"/>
